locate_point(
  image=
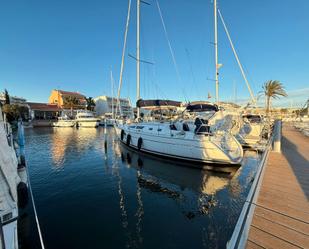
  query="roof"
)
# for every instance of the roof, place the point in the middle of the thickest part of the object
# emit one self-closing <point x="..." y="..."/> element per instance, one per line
<point x="75" y="94"/>
<point x="43" y="107"/>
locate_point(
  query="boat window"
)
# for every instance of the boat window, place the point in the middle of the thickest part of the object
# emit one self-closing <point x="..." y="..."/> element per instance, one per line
<point x="159" y="129"/>
<point x="139" y="127"/>
<point x="204" y="121"/>
<point x="202" y="129"/>
<point x="150" y="129"/>
<point x="132" y="127"/>
<point x="185" y="127"/>
<point x="254" y="118"/>
<point x="173" y="127"/>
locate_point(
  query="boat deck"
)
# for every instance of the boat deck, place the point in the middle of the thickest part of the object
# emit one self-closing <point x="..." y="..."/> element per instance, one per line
<point x="281" y="214"/>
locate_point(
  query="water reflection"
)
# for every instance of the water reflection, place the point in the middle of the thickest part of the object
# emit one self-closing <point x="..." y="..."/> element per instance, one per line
<point x="147" y="201"/>
<point x="60" y="143"/>
<point x="194" y="191"/>
<point x="204" y="181"/>
<point x="66" y="139"/>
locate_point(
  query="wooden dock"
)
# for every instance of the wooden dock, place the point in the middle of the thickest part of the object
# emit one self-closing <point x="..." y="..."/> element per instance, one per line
<point x="278" y="212"/>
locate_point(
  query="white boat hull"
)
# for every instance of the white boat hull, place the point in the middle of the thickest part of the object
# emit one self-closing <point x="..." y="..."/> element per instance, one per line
<point x="88" y="123"/>
<point x="177" y="144"/>
<point x="250" y="134"/>
<point x="62" y="123"/>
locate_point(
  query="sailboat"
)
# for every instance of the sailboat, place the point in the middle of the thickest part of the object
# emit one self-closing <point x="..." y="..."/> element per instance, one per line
<point x="176" y="139"/>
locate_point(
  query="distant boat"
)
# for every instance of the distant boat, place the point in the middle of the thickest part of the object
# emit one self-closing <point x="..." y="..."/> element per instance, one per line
<point x="251" y="131"/>
<point x="86" y="119"/>
<point x="64" y="122"/>
<point x="107" y="119"/>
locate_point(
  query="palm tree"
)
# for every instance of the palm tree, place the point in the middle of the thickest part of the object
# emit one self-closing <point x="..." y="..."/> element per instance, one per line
<point x="272" y="89"/>
<point x="90" y="103"/>
<point x="70" y="102"/>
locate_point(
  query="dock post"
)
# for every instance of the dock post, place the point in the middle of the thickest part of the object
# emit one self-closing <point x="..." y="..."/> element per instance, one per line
<point x="277" y="136"/>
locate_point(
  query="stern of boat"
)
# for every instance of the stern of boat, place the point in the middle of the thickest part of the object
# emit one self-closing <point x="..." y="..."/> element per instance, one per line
<point x="230" y="146"/>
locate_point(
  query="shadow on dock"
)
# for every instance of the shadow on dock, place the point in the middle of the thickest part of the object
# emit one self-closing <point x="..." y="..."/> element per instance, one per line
<point x="298" y="163"/>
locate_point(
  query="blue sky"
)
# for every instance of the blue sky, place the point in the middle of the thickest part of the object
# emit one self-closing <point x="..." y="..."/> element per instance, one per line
<point x="72" y="45"/>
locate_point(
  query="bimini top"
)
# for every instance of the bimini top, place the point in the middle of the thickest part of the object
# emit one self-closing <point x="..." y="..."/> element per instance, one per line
<point x="253" y="118"/>
<point x="151" y="103"/>
<point x="201" y="106"/>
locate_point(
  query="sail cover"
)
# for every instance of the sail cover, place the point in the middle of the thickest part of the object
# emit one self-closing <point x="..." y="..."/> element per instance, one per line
<point x="157" y="103"/>
<point x="201" y="107"/>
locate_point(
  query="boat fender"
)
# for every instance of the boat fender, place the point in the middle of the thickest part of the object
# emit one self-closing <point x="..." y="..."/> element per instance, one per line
<point x="122" y="134"/>
<point x="105" y="146"/>
<point x="128" y="140"/>
<point x="139" y="143"/>
<point x="140" y="162"/>
<point x="129" y="159"/>
<point x="22" y="194"/>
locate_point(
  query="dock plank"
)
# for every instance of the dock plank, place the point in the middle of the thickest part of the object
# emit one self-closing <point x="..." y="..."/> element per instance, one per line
<point x="281" y="216"/>
<point x="283" y="220"/>
<point x="267" y="240"/>
<point x="280" y="231"/>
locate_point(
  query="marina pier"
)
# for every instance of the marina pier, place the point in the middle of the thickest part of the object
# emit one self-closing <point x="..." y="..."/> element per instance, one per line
<point x="276" y="213"/>
<point x="146" y="124"/>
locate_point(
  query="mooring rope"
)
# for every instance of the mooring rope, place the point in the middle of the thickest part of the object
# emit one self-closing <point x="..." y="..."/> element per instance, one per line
<point x="35" y="212"/>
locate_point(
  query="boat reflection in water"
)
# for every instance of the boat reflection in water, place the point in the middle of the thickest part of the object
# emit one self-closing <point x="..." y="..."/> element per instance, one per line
<point x="212" y="197"/>
<point x="207" y="181"/>
<point x="66" y="140"/>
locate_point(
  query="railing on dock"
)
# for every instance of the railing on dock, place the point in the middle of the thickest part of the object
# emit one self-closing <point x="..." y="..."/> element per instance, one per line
<point x="241" y="230"/>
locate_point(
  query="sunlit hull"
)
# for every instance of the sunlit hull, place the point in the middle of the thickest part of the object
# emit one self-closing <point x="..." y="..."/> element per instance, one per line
<point x="250" y="134"/>
<point x="182" y="146"/>
<point x="88" y="123"/>
<point x="62" y="123"/>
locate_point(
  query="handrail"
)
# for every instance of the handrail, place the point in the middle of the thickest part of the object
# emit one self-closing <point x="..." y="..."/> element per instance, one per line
<point x="239" y="236"/>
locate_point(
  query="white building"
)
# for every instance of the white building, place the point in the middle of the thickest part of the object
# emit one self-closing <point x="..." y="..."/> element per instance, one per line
<point x="105" y="105"/>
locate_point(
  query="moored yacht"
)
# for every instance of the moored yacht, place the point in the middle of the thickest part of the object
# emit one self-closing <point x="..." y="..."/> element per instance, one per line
<point x="64" y="122"/>
<point x="181" y="140"/>
<point x="251" y="131"/>
<point x="176" y="139"/>
<point x="86" y="119"/>
<point x="107" y="119"/>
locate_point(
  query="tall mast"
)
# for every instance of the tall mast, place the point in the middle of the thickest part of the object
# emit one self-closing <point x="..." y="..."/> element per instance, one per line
<point x="112" y="88"/>
<point x="138" y="56"/>
<point x="216" y="51"/>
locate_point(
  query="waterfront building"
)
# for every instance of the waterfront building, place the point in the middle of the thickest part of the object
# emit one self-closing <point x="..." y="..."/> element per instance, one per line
<point x="60" y="98"/>
<point x="43" y="111"/>
<point x="107" y="105"/>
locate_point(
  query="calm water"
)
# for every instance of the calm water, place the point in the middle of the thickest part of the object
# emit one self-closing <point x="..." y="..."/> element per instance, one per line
<point x="87" y="197"/>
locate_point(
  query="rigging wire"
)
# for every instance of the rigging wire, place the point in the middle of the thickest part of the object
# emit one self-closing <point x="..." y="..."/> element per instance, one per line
<point x="170" y="48"/>
<point x="236" y="57"/>
<point x="123" y="56"/>
<point x="191" y="70"/>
